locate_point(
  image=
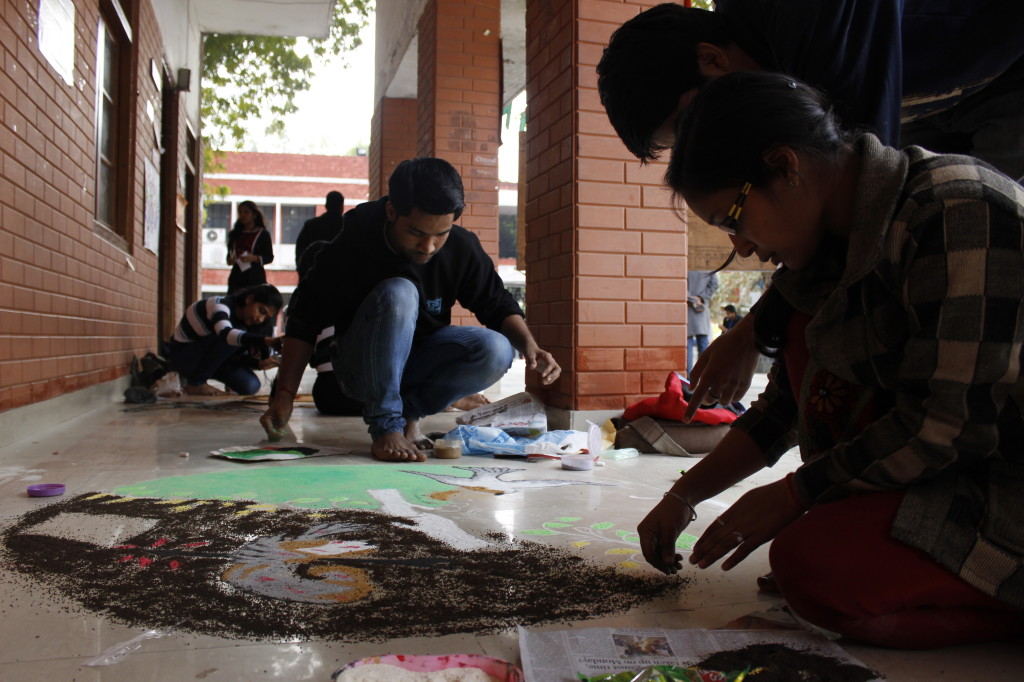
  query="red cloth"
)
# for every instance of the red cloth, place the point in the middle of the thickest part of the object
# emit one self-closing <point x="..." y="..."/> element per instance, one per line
<point x="671" y="404"/>
<point x="839" y="568"/>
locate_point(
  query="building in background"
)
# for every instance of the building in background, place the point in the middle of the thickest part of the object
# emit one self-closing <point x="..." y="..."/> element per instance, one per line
<point x="289" y="189"/>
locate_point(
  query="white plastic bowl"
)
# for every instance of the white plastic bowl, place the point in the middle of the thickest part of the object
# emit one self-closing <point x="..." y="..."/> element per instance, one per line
<point x="578" y="462"/>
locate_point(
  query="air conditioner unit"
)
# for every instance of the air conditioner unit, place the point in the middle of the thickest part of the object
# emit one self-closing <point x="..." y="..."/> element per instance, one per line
<point x="215" y="247"/>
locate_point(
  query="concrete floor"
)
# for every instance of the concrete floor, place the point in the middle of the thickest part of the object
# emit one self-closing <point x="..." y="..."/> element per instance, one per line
<point x="47" y="638"/>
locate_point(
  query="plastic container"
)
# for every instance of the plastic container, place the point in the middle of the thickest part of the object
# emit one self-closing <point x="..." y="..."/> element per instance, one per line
<point x="447" y="448"/>
<point x="584" y="462"/>
<point x="46" y="489"/>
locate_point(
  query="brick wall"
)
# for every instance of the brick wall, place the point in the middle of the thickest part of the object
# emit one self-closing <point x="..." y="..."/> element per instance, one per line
<point x="459" y="106"/>
<point x="426" y="80"/>
<point x="75" y="301"/>
<point x="606" y="254"/>
<point x="393" y="131"/>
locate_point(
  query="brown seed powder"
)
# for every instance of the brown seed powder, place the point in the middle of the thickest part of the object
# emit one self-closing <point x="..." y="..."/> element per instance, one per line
<point x="172" y="575"/>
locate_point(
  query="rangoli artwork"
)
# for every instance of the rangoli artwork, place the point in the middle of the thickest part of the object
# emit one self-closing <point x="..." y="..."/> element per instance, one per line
<point x="351" y="553"/>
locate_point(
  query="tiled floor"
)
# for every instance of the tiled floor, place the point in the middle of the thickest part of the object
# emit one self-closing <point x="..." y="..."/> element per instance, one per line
<point x="47" y="638"/>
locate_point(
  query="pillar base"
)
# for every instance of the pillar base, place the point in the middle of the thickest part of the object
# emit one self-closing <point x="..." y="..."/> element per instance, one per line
<point x="576" y="420"/>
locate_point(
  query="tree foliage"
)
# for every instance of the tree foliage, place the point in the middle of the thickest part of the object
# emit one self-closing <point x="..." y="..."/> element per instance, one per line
<point x="248" y="76"/>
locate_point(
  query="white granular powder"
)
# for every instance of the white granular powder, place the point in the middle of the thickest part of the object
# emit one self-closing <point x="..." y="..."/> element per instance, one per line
<point x="382" y="672"/>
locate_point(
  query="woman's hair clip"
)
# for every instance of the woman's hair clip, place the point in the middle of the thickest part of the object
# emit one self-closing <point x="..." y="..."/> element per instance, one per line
<point x="791" y="84"/>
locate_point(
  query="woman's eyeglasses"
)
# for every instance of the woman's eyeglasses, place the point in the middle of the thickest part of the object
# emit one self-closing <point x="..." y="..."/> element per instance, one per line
<point x="730" y="223"/>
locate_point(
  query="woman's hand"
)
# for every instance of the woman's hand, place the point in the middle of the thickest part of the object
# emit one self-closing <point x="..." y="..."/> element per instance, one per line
<point x="275" y="342"/>
<point x="723" y="371"/>
<point x="660" y="529"/>
<point x="269" y="363"/>
<point x="753" y="520"/>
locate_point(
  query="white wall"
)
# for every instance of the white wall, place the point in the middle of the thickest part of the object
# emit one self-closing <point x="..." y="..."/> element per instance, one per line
<point x="397" y="22"/>
<point x="179" y="28"/>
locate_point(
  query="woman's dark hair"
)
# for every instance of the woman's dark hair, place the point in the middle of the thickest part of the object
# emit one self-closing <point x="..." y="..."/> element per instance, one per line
<point x="257" y="218"/>
<point x="736" y="119"/>
<point x="431" y="185"/>
<point x="650" y="61"/>
<point x="722" y="142"/>
<point x="266" y="294"/>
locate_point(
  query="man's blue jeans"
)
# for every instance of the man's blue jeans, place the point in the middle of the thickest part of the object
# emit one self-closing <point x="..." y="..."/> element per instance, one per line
<point x="695" y="345"/>
<point x="398" y="377"/>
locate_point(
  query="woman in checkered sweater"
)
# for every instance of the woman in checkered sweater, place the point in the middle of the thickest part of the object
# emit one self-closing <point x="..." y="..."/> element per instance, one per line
<point x="898" y="337"/>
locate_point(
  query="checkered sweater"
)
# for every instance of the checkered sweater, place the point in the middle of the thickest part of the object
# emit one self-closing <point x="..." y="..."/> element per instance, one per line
<point x="925" y="310"/>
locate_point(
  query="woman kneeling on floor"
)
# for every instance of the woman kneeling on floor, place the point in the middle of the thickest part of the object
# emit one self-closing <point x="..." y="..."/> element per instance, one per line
<point x="897" y="331"/>
<point x="212" y="341"/>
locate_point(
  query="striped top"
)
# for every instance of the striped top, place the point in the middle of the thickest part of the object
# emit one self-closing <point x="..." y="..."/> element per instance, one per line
<point x="213" y="316"/>
<point x="321" y="360"/>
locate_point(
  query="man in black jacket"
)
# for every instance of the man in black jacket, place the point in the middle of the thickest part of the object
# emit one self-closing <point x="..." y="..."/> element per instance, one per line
<point x="324" y="227"/>
<point x="388" y="284"/>
<point x="941" y="74"/>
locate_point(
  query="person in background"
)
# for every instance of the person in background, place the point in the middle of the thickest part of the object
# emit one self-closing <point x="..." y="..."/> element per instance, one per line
<point x="701" y="287"/>
<point x="249" y="248"/>
<point x="324" y="227"/>
<point x="328" y="397"/>
<point x="213" y="341"/>
<point x="947" y="76"/>
<point x="897" y="338"/>
<point x="731" y="318"/>
<point x="387" y="284"/>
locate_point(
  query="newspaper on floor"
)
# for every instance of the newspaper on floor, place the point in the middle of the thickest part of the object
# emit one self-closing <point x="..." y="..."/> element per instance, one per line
<point x="564" y="655"/>
<point x="518" y="415"/>
<point x="267" y="451"/>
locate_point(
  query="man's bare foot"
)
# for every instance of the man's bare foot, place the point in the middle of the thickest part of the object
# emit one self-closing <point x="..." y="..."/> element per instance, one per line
<point x="203" y="389"/>
<point x="471" y="402"/>
<point x="416" y="437"/>
<point x="395" y="447"/>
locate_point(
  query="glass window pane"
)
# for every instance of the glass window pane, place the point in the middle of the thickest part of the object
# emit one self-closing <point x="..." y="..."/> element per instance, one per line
<point x="269" y="211"/>
<point x="218" y="214"/>
<point x="292" y="219"/>
<point x="106" y="129"/>
<point x="109" y="63"/>
<point x="507" y="231"/>
<point x="104" y="194"/>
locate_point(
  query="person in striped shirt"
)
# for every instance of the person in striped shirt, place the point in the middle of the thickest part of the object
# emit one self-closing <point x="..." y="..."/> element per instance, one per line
<point x="213" y="341"/>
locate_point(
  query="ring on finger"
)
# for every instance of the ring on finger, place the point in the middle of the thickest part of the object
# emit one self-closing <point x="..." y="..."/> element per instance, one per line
<point x="739" y="536"/>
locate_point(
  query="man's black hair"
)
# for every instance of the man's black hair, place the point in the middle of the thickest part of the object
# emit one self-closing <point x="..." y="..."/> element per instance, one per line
<point x="335" y="201"/>
<point x="650" y="61"/>
<point x="431" y="185"/>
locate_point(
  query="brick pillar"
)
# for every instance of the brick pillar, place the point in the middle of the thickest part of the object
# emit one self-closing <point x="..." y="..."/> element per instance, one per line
<point x="459" y="107"/>
<point x="393" y="132"/>
<point x="606" y="255"/>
